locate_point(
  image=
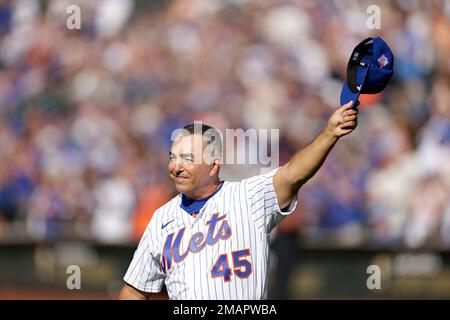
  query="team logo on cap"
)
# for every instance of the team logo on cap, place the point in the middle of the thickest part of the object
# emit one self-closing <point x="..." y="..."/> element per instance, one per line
<point x="383" y="61"/>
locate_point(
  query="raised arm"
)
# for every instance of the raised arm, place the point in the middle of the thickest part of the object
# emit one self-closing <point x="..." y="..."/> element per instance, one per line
<point x="305" y="163"/>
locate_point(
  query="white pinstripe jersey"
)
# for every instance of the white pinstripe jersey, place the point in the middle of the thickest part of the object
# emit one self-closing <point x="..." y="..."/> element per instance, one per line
<point x="223" y="253"/>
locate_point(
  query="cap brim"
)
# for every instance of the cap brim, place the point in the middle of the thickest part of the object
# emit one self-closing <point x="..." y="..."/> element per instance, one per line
<point x="347" y="95"/>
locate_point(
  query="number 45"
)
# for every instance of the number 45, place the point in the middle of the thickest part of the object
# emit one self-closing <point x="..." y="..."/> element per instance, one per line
<point x="242" y="267"/>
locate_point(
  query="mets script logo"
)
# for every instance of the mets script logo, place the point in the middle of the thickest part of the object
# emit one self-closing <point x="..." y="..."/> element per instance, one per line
<point x="171" y="251"/>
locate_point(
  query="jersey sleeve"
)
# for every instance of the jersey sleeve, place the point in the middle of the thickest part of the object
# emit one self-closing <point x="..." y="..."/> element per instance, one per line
<point x="144" y="272"/>
<point x="263" y="203"/>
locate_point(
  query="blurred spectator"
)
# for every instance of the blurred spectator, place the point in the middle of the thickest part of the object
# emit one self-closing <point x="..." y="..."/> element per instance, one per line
<point x="153" y="198"/>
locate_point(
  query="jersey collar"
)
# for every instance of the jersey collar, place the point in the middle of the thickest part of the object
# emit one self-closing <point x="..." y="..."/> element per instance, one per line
<point x="193" y="207"/>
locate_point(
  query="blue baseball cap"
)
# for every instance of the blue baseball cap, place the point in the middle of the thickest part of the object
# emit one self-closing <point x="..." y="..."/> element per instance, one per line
<point x="369" y="70"/>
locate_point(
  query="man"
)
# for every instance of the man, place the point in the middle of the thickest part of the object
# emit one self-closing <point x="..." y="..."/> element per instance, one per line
<point x="212" y="240"/>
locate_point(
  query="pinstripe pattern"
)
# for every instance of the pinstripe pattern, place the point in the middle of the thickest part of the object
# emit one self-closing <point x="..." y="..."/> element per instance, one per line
<point x="252" y="212"/>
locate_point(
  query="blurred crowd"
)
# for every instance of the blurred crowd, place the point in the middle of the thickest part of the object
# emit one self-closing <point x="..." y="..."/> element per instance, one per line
<point x="86" y="115"/>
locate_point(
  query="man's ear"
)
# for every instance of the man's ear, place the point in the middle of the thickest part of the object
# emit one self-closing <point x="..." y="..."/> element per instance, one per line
<point x="215" y="167"/>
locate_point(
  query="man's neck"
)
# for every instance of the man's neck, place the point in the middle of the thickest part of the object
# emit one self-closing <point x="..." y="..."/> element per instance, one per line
<point x="205" y="191"/>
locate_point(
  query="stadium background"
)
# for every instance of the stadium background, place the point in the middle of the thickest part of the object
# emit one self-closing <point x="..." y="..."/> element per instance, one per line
<point x="86" y="117"/>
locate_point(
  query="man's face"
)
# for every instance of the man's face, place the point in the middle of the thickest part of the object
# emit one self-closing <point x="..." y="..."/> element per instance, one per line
<point x="187" y="167"/>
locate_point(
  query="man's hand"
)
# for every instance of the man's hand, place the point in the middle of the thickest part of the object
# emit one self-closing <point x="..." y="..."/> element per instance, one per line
<point x="342" y="121"/>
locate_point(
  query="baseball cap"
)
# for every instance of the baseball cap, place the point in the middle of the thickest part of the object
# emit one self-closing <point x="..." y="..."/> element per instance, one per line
<point x="369" y="70"/>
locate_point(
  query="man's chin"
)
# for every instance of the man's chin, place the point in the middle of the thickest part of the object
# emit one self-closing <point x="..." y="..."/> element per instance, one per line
<point x="182" y="187"/>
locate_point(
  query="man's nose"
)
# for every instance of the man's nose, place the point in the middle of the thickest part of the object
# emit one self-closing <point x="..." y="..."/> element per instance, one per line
<point x="178" y="165"/>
